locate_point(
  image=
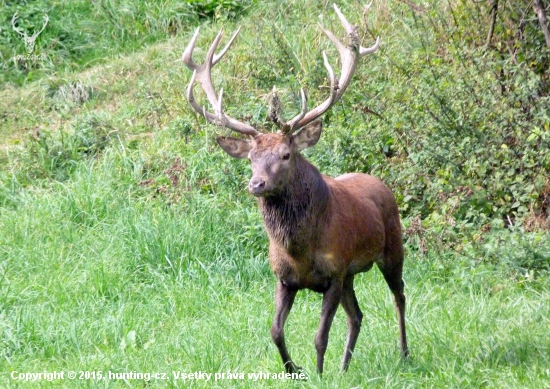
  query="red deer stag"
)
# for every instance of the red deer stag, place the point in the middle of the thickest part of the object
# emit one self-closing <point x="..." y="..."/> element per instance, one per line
<point x="322" y="231"/>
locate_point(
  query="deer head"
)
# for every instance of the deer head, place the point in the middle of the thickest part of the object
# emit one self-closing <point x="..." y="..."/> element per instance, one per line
<point x="273" y="155"/>
<point x="28" y="40"/>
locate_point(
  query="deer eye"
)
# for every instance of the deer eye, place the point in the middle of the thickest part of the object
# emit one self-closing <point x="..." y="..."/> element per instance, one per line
<point x="286" y="156"/>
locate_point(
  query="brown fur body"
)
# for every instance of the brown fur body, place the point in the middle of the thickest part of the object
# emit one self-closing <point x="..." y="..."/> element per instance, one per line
<point x="322" y="232"/>
<point x="322" y="229"/>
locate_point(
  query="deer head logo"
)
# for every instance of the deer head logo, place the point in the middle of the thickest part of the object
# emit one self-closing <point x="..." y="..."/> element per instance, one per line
<point x="29" y="40"/>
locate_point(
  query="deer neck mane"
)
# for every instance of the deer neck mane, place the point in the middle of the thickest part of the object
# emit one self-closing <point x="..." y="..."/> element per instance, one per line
<point x="293" y="216"/>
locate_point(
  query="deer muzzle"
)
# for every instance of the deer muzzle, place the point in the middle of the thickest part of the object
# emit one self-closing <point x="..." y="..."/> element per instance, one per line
<point x="257" y="187"/>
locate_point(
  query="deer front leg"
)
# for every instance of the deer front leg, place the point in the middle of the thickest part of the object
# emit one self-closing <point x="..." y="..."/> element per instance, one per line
<point x="355" y="317"/>
<point x="284" y="298"/>
<point x="331" y="299"/>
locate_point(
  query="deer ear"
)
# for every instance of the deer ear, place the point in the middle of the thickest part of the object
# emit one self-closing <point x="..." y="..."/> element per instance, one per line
<point x="309" y="135"/>
<point x="235" y="147"/>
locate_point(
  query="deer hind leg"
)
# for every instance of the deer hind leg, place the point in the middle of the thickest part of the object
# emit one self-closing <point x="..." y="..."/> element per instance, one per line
<point x="393" y="275"/>
<point x="284" y="298"/>
<point x="355" y="317"/>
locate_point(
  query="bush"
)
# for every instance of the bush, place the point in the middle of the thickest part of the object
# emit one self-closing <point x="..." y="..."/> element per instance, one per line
<point x="468" y="121"/>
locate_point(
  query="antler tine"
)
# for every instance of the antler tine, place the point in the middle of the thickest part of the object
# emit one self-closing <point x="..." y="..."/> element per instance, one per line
<point x="335" y="41"/>
<point x="353" y="30"/>
<point x="291" y="125"/>
<point x="368" y="50"/>
<point x="209" y="61"/>
<point x="187" y="56"/>
<point x="191" y="98"/>
<point x="16" y="29"/>
<point x="347" y="25"/>
<point x="219" y="110"/>
<point x="217" y="57"/>
<point x="349" y="58"/>
<point x="295" y="123"/>
<point x="46" y="20"/>
<point x="203" y="75"/>
<point x="333" y="81"/>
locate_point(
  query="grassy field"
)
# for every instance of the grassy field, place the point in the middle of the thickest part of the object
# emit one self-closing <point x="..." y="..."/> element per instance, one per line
<point x="97" y="278"/>
<point x="129" y="244"/>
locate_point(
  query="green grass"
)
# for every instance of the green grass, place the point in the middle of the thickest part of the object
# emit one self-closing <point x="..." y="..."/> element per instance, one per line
<point x="129" y="244"/>
<point x="97" y="276"/>
<point x="81" y="33"/>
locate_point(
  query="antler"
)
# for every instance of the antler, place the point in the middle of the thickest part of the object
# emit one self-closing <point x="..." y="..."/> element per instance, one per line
<point x="46" y="20"/>
<point x="16" y="29"/>
<point x="349" y="57"/>
<point x="203" y="75"/>
<point x="22" y="33"/>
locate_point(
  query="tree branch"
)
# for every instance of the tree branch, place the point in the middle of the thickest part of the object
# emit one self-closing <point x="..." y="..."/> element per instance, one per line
<point x="494" y="10"/>
<point x="539" y="10"/>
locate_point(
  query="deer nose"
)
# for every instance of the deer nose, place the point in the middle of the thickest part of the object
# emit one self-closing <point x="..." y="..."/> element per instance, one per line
<point x="256" y="186"/>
